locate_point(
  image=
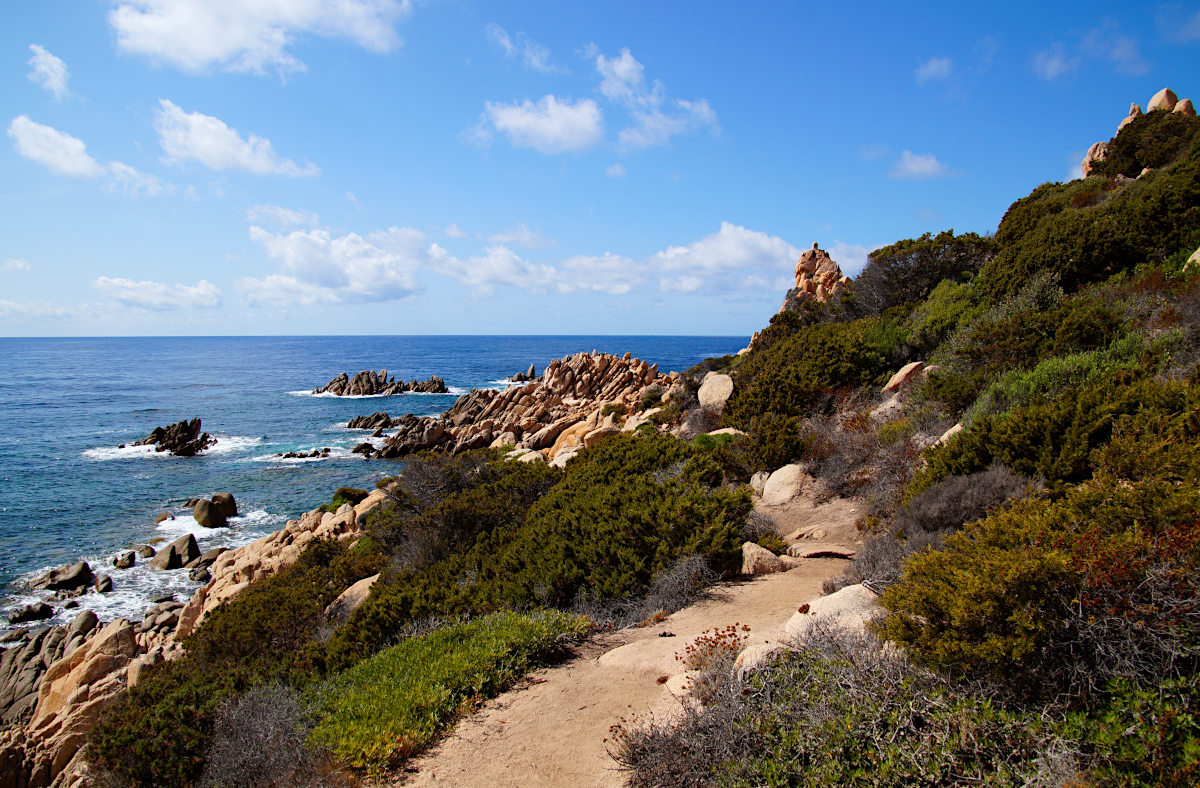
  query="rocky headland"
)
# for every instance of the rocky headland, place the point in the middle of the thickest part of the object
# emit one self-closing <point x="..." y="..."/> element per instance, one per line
<point x="370" y="384"/>
<point x="577" y="401"/>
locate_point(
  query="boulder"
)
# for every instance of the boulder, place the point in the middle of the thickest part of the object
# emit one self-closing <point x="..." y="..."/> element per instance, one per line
<point x="848" y="610"/>
<point x="200" y="575"/>
<point x="67" y="578"/>
<point x="758" y="482"/>
<point x="104" y="584"/>
<point x="754" y="656"/>
<point x="950" y="433"/>
<point x="163" y="516"/>
<point x="887" y="410"/>
<point x="1193" y="260"/>
<point x="125" y="560"/>
<point x="783" y="485"/>
<point x="907" y="373"/>
<point x="758" y="560"/>
<point x="1096" y="154"/>
<point x="339" y="610"/>
<point x="715" y="391"/>
<point x="144" y="550"/>
<point x="226" y="503"/>
<point x="1184" y="107"/>
<point x="182" y="551"/>
<point x="827" y="551"/>
<point x="83" y="623"/>
<point x="35" y="612"/>
<point x="208" y="514"/>
<point x="1163" y="99"/>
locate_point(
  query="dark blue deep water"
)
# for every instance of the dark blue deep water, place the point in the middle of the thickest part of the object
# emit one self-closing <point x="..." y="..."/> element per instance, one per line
<point x="68" y="494"/>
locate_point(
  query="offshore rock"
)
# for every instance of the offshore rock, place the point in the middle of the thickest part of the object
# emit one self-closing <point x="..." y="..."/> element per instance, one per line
<point x="183" y="439"/>
<point x="209" y="514"/>
<point x="67" y="578"/>
<point x="368" y="383"/>
<point x="226" y="503"/>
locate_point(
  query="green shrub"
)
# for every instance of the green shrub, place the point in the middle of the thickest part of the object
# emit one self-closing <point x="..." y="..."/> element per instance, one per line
<point x="1065" y="594"/>
<point x="909" y="270"/>
<point x="791" y="376"/>
<point x="390" y="706"/>
<point x="650" y="397"/>
<point x="157" y="732"/>
<point x="1140" y="222"/>
<point x="623" y="512"/>
<point x="932" y="321"/>
<point x="1155" y="139"/>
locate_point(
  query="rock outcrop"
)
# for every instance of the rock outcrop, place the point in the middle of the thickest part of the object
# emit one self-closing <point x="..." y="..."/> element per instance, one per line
<point x="183" y="439"/>
<point x="368" y="383"/>
<point x="818" y="278"/>
<point x="66" y="578"/>
<point x="57" y="682"/>
<point x="1164" y="100"/>
<point x="376" y="421"/>
<point x="561" y="411"/>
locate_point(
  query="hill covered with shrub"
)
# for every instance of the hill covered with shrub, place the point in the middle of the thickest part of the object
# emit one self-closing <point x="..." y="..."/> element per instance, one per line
<point x="1038" y="562"/>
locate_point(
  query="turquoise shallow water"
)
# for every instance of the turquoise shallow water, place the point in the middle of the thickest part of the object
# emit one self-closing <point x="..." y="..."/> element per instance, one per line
<point x="68" y="494"/>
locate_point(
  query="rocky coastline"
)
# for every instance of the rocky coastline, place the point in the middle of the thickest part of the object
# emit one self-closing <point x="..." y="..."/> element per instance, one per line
<point x="373" y="384"/>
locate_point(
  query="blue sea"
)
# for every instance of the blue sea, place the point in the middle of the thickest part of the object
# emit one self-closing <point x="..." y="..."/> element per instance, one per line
<point x="67" y="493"/>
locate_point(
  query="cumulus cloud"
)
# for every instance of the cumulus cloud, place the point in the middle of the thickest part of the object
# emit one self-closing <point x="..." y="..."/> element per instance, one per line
<point x="721" y="259"/>
<point x="12" y="266"/>
<point x="522" y="237"/>
<point x="192" y="136"/>
<point x="933" y="68"/>
<point x="317" y="267"/>
<point x="623" y="81"/>
<point x="615" y="171"/>
<point x="851" y="258"/>
<point x="919" y="166"/>
<point x="49" y="72"/>
<point x="283" y="217"/>
<point x="57" y="150"/>
<point x="65" y="155"/>
<point x="549" y="126"/>
<point x="249" y="35"/>
<point x="531" y="53"/>
<point x="160" y="297"/>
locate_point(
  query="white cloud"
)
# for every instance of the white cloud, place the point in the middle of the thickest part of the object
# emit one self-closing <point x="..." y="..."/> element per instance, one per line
<point x="934" y="68"/>
<point x="1179" y="25"/>
<point x="249" y="35"/>
<point x="723" y="258"/>
<point x="919" y="166"/>
<point x="59" y="151"/>
<point x="1052" y="63"/>
<point x="317" y="267"/>
<point x="49" y="72"/>
<point x="623" y="81"/>
<point x="533" y="54"/>
<point x="1110" y="44"/>
<point x="11" y="266"/>
<point x="522" y="237"/>
<point x="452" y="231"/>
<point x="851" y="258"/>
<point x="152" y="295"/>
<point x="14" y="310"/>
<point x="283" y="217"/>
<point x="188" y="136"/>
<point x="549" y="126"/>
<point x="129" y="181"/>
<point x="499" y="265"/>
<point x="615" y="171"/>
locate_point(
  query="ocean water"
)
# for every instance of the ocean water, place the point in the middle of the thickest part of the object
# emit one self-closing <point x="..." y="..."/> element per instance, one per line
<point x="67" y="493"/>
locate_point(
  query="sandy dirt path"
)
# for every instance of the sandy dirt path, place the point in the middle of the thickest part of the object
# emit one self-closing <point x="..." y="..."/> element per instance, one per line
<point x="551" y="730"/>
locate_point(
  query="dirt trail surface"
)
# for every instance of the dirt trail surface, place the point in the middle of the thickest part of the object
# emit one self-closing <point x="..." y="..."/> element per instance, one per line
<point x="551" y="731"/>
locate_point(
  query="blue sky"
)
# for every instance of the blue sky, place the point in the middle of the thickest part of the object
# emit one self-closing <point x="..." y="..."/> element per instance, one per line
<point x="392" y="167"/>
